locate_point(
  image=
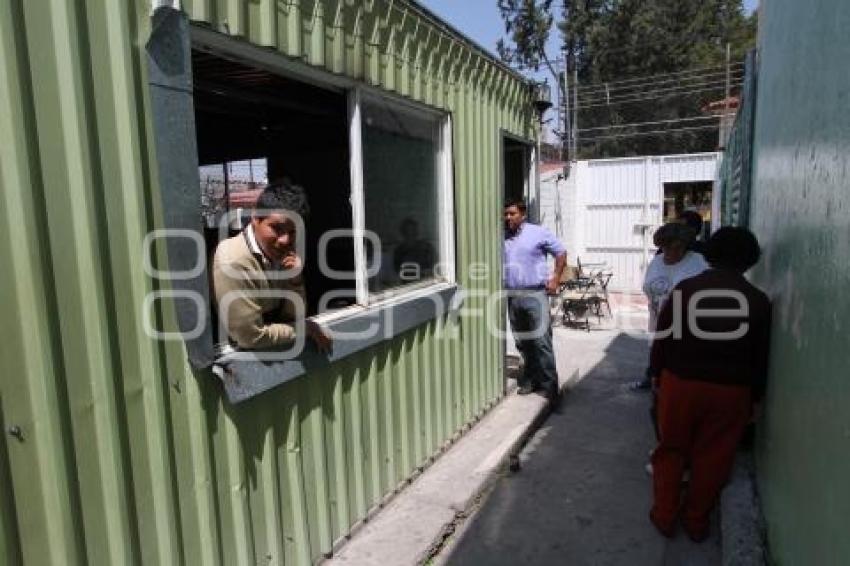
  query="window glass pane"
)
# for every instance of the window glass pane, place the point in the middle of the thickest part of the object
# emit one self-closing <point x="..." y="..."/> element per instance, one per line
<point x="401" y="186"/>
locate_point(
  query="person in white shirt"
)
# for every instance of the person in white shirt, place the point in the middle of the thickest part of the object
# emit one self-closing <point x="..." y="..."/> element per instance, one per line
<point x="675" y="263"/>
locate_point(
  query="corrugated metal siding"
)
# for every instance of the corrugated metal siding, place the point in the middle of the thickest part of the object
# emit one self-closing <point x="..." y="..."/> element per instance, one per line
<point x="615" y="181"/>
<point x="125" y="456"/>
<point x="735" y="171"/>
<point x="685" y="168"/>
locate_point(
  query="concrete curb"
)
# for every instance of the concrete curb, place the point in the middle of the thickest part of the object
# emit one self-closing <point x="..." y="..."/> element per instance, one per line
<point x="414" y="525"/>
<point x="741" y="522"/>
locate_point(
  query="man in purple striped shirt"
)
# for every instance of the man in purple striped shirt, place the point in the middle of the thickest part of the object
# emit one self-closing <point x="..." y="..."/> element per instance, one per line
<point x="528" y="282"/>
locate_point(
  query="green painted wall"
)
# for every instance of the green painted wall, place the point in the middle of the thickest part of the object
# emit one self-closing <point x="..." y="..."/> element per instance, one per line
<point x="801" y="213"/>
<point x="126" y="456"/>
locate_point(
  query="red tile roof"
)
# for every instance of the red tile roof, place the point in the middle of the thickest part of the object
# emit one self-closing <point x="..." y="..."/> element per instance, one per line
<point x="244" y="199"/>
<point x="720" y="105"/>
<point x="549" y="166"/>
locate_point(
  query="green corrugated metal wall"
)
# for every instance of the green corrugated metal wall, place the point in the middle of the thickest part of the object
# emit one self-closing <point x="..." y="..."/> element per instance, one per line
<point x="801" y="215"/>
<point x="125" y="456"/>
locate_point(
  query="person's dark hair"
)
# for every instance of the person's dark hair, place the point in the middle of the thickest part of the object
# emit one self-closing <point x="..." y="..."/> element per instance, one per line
<point x="734" y="248"/>
<point x="517" y="202"/>
<point x="693" y="219"/>
<point x="282" y="195"/>
<point x="673" y="232"/>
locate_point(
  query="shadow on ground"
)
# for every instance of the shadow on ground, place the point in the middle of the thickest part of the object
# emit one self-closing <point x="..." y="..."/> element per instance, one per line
<point x="582" y="495"/>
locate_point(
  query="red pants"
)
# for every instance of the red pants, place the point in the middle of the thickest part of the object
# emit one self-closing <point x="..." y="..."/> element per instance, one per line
<point x="700" y="424"/>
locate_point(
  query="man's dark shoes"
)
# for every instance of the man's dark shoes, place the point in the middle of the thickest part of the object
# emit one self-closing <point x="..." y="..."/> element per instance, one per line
<point x="553" y="395"/>
<point x="526" y="389"/>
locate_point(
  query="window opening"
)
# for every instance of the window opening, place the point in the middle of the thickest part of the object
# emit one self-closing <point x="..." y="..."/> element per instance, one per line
<point x="253" y="127"/>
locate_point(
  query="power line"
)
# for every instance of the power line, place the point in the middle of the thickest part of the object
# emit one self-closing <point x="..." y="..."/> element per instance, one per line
<point x="607" y="50"/>
<point x="652" y="133"/>
<point x="645" y="78"/>
<point x="651" y="90"/>
<point x="599" y="88"/>
<point x="673" y="82"/>
<point x="671" y="121"/>
<point x="663" y="95"/>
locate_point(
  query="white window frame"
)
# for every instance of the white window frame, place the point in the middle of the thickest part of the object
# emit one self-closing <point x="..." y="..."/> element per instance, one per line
<point x="445" y="197"/>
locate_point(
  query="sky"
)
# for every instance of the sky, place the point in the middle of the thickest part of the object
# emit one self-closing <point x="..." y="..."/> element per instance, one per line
<point x="480" y="20"/>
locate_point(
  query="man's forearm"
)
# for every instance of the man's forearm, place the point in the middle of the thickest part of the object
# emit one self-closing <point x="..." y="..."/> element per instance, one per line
<point x="560" y="265"/>
<point x="257" y="335"/>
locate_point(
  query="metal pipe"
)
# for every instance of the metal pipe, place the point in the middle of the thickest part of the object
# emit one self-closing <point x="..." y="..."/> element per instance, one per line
<point x="567" y="121"/>
<point x="575" y="112"/>
<point x="538" y="171"/>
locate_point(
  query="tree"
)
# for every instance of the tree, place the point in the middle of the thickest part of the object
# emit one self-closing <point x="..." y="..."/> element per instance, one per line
<point x="626" y="53"/>
<point x="528" y="23"/>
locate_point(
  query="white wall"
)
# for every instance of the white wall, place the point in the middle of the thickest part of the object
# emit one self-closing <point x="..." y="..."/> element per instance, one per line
<point x="609" y="208"/>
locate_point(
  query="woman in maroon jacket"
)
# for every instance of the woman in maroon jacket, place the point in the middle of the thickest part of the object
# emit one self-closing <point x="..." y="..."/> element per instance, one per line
<point x="709" y="362"/>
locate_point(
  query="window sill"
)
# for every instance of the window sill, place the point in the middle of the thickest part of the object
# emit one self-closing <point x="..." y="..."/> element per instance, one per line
<point x="244" y="377"/>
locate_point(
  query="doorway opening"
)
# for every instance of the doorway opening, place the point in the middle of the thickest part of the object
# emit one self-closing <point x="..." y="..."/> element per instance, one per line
<point x="516" y="185"/>
<point x="516" y="169"/>
<point x="692" y="195"/>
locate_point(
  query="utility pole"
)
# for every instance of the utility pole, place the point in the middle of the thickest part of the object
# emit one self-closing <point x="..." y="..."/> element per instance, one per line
<point x="575" y="112"/>
<point x="226" y="178"/>
<point x="566" y="109"/>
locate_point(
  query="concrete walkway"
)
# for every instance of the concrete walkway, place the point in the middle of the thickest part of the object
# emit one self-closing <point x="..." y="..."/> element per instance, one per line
<point x="582" y="495"/>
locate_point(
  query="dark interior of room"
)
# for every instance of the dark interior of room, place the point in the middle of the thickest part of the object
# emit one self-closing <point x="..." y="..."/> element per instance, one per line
<point x="515" y="168"/>
<point x="243" y="112"/>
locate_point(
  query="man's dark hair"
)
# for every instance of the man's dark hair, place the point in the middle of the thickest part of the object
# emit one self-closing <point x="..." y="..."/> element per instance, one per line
<point x="733" y="248"/>
<point x="517" y="202"/>
<point x="282" y="195"/>
<point x="693" y="219"/>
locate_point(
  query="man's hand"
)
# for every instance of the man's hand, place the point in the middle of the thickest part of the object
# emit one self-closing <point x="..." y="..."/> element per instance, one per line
<point x="319" y="335"/>
<point x="291" y="261"/>
<point x="552" y="286"/>
<point x="555" y="280"/>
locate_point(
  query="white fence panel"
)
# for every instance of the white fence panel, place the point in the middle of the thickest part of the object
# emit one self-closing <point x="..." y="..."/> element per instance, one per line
<point x="618" y="204"/>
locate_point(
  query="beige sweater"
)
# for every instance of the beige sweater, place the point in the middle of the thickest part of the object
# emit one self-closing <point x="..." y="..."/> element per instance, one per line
<point x="239" y="278"/>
